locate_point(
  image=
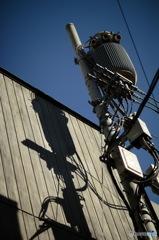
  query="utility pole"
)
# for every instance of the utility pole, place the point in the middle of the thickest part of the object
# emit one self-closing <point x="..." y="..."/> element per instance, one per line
<point x="105" y="84"/>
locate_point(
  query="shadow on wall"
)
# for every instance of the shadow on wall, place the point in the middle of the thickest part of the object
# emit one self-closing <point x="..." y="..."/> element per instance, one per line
<point x="56" y="132"/>
<point x="9" y="226"/>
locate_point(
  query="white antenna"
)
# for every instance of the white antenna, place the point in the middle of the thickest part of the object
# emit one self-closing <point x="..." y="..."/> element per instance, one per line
<point x="93" y="89"/>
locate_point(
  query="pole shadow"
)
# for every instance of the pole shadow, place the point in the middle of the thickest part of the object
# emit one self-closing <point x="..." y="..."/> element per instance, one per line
<point x="54" y="126"/>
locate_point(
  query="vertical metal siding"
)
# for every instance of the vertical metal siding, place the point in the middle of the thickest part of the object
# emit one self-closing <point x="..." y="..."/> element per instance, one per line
<point x="50" y="168"/>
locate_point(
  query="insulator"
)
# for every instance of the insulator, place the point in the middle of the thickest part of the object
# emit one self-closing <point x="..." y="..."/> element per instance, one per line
<point x="94" y="42"/>
<point x="106" y="36"/>
<point x="117" y="38"/>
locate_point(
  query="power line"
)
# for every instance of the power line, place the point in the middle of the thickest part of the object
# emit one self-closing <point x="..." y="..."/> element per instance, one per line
<point x="137" y="53"/>
<point x="151" y="88"/>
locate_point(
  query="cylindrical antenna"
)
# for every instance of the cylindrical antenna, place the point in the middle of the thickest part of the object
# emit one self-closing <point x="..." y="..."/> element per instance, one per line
<point x="75" y="40"/>
<point x="77" y="46"/>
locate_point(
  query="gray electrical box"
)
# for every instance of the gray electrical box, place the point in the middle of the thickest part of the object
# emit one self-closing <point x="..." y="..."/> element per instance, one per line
<point x="127" y="163"/>
<point x="138" y="130"/>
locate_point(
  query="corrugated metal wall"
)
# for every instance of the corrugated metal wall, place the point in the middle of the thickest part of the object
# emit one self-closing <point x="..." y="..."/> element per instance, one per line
<point x="50" y="168"/>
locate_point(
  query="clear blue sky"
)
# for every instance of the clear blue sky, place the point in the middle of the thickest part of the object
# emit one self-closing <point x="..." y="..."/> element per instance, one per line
<point x="34" y="46"/>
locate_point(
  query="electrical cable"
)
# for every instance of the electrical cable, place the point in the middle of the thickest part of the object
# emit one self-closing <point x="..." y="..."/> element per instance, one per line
<point x="119" y="109"/>
<point x="140" y="193"/>
<point x="120" y="125"/>
<point x="141" y="107"/>
<point x="143" y="93"/>
<point x="137" y="96"/>
<point x="147" y="180"/>
<point x="155" y="136"/>
<point x="114" y="135"/>
<point x="153" y="174"/>
<point x="135" y="101"/>
<point x="83" y="175"/>
<point x="111" y="205"/>
<point x="123" y="197"/>
<point x="90" y="185"/>
<point x="151" y="88"/>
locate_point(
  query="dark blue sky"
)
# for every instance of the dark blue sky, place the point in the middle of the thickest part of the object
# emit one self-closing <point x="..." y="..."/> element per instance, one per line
<point x="34" y="46"/>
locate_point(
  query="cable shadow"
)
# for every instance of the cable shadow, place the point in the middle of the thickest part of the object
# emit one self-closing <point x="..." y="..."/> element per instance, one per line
<point x="64" y="160"/>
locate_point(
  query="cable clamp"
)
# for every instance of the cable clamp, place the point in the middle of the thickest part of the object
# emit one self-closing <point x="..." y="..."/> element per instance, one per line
<point x="145" y="221"/>
<point x="107" y="160"/>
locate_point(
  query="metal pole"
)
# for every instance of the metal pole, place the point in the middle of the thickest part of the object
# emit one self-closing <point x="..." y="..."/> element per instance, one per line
<point x="93" y="90"/>
<point x="130" y="188"/>
<point x="138" y="207"/>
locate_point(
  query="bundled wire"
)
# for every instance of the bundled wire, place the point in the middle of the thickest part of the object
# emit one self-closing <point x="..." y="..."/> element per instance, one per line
<point x="155" y="171"/>
<point x="82" y="173"/>
<point x="140" y="109"/>
<point x="151" y="88"/>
